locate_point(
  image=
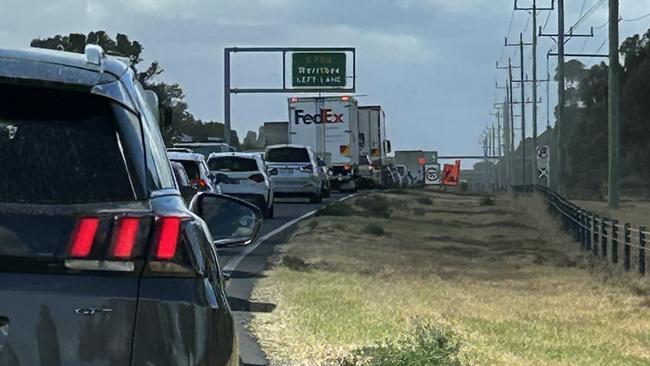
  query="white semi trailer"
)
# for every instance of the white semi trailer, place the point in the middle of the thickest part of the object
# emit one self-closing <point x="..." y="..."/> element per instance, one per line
<point x="372" y="134"/>
<point x="330" y="126"/>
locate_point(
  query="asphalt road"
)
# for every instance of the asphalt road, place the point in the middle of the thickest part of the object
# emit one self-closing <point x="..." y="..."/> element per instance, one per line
<point x="244" y="264"/>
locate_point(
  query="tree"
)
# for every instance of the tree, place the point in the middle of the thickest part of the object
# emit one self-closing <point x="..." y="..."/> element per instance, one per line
<point x="587" y="118"/>
<point x="171" y="97"/>
<point x="121" y="46"/>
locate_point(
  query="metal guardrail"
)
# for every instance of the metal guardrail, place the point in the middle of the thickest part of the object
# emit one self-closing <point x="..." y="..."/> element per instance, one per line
<point x="603" y="236"/>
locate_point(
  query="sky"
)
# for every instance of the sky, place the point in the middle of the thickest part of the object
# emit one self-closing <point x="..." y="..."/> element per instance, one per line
<point x="429" y="63"/>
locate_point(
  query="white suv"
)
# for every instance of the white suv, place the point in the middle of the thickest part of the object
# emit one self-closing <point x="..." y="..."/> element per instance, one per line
<point x="243" y="175"/>
<point x="298" y="173"/>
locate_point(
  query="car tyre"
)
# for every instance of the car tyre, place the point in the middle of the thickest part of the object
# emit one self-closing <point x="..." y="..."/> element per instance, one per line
<point x="270" y="212"/>
<point x="316" y="198"/>
<point x="326" y="191"/>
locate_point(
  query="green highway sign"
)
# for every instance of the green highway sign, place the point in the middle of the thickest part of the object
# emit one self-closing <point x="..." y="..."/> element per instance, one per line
<point x="318" y="69"/>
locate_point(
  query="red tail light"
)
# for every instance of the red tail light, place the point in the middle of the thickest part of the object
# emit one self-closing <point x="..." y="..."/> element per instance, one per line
<point x="347" y="167"/>
<point x="257" y="178"/>
<point x="168" y="230"/>
<point x="345" y="98"/>
<point x="199" y="183"/>
<point x="83" y="237"/>
<point x="127" y="231"/>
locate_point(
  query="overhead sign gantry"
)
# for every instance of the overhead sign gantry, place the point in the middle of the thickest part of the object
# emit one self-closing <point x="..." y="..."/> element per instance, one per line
<point x="313" y="70"/>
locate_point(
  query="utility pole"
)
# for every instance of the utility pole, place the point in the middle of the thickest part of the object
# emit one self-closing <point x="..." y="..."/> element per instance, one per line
<point x="521" y="45"/>
<point x="492" y="145"/>
<point x="510" y="112"/>
<point x="523" y="109"/>
<point x="534" y="10"/>
<point x="226" y="96"/>
<point x="499" y="151"/>
<point x="614" y="106"/>
<point x="561" y="129"/>
<point x="559" y="177"/>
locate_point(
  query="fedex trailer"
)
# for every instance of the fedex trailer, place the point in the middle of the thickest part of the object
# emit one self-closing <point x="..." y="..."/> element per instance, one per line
<point x="329" y="126"/>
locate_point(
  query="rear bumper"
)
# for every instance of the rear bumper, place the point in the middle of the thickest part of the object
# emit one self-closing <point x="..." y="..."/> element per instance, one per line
<point x="291" y="187"/>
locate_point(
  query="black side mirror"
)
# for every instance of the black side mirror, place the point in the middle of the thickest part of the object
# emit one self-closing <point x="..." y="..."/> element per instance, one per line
<point x="273" y="171"/>
<point x="229" y="219"/>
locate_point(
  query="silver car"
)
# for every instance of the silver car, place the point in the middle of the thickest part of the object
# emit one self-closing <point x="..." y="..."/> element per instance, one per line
<point x="296" y="172"/>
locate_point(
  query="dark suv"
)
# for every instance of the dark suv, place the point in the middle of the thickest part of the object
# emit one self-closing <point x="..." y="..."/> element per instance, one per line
<point x="101" y="261"/>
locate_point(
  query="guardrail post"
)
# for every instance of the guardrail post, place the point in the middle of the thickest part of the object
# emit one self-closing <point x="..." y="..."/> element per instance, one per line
<point x="588" y="231"/>
<point x="626" y="246"/>
<point x="642" y="230"/>
<point x="603" y="237"/>
<point x="581" y="228"/>
<point x="594" y="242"/>
<point x="576" y="224"/>
<point x="614" y="241"/>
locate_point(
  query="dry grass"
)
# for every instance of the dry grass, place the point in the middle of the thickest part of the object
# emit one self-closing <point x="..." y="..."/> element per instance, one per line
<point x="502" y="277"/>
<point x="633" y="211"/>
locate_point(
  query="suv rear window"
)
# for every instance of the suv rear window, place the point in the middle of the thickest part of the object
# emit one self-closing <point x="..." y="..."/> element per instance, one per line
<point x="233" y="164"/>
<point x="59" y="147"/>
<point x="288" y="155"/>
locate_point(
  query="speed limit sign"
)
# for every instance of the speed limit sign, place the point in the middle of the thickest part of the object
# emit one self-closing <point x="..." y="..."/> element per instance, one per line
<point x="432" y="174"/>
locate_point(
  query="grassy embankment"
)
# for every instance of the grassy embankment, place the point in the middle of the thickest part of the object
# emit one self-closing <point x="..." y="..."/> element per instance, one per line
<point x="636" y="212"/>
<point x="407" y="278"/>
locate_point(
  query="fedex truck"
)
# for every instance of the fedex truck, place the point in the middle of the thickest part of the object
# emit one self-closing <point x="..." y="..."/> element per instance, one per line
<point x="329" y="126"/>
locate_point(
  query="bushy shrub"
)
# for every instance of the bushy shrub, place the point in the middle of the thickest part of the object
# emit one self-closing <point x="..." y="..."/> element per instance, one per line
<point x="427" y="346"/>
<point x="375" y="206"/>
<point x="425" y="200"/>
<point x="487" y="201"/>
<point x="373" y="229"/>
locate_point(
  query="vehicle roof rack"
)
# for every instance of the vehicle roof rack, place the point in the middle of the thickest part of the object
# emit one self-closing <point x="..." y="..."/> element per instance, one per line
<point x="94" y="54"/>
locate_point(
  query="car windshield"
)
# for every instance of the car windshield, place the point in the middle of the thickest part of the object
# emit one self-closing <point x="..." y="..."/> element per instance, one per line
<point x="59" y="147"/>
<point x="287" y="155"/>
<point x="232" y="164"/>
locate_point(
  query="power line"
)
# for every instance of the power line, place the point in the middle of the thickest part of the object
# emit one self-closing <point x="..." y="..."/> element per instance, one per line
<point x="602" y="26"/>
<point x="635" y="19"/>
<point x="589" y="13"/>
<point x="527" y="24"/>
<point x="601" y="46"/>
<point x="584" y="44"/>
<point x="547" y="18"/>
<point x="582" y="10"/>
<point x="512" y="17"/>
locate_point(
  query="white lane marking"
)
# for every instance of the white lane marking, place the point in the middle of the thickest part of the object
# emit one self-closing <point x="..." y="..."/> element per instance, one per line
<point x="233" y="263"/>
